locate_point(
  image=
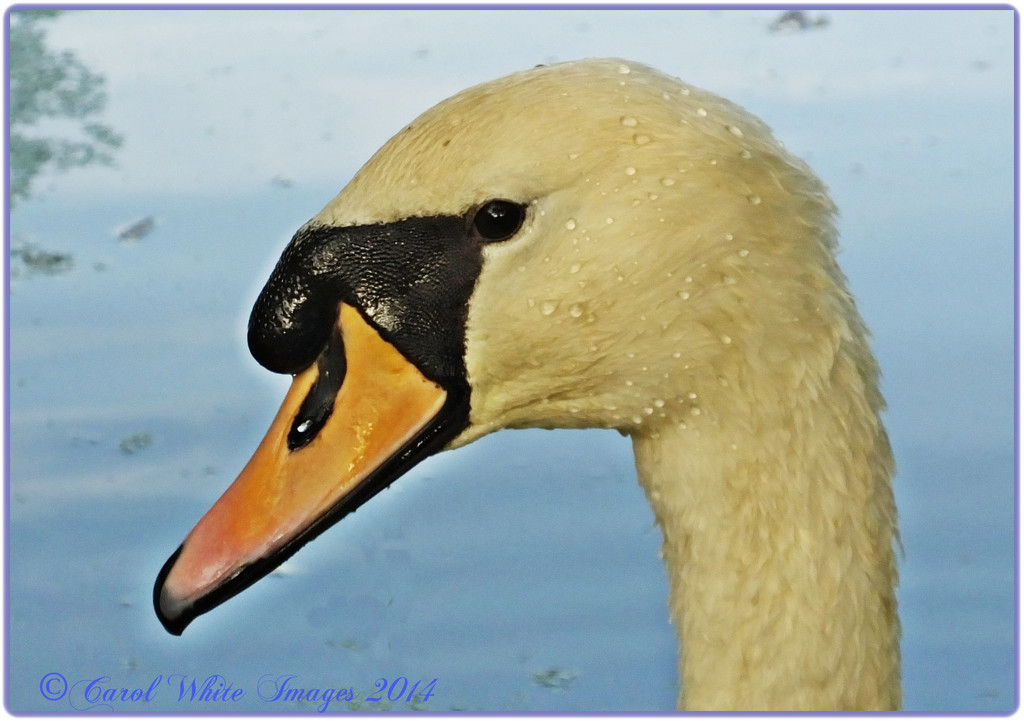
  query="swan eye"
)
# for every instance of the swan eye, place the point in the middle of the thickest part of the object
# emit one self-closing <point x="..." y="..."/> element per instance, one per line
<point x="498" y="220"/>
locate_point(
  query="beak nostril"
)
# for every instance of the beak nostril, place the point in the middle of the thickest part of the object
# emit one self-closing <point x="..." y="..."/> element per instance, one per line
<point x="318" y="405"/>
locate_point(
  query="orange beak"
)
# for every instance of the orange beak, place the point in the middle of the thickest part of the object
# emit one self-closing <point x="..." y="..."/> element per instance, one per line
<point x="335" y="442"/>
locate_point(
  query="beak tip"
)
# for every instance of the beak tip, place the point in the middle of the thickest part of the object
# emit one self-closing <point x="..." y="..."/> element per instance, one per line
<point x="175" y="614"/>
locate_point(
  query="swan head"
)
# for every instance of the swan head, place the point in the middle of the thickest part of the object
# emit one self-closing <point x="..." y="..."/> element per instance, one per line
<point x="592" y="244"/>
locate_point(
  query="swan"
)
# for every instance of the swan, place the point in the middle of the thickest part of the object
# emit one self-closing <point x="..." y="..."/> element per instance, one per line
<point x="594" y="244"/>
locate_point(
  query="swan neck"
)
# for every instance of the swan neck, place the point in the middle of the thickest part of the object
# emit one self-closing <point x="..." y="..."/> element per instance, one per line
<point x="778" y="543"/>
